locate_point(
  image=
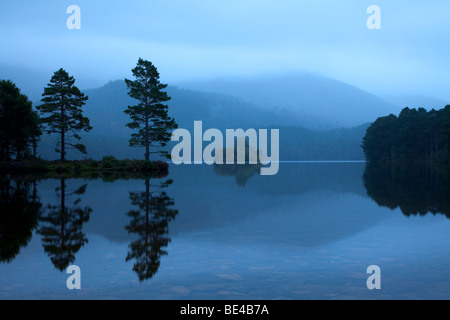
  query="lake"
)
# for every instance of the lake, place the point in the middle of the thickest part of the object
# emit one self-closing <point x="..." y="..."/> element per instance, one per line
<point x="226" y="232"/>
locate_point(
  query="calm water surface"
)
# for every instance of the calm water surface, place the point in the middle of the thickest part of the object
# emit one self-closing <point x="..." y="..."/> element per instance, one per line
<point x="309" y="232"/>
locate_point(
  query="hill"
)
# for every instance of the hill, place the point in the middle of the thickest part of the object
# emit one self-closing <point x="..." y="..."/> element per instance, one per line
<point x="109" y="135"/>
<point x="321" y="102"/>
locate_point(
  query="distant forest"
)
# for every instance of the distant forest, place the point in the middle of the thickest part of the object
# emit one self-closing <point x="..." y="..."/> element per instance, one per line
<point x="415" y="135"/>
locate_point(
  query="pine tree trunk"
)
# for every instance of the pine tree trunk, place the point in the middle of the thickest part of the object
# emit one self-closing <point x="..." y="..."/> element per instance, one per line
<point x="436" y="146"/>
<point x="63" y="146"/>
<point x="63" y="135"/>
<point x="147" y="142"/>
<point x="34" y="148"/>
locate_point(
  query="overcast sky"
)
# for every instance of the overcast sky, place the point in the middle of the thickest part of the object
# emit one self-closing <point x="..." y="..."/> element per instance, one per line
<point x="201" y="39"/>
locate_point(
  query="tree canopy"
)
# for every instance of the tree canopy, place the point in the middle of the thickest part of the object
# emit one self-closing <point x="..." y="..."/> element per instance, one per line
<point x="415" y="135"/>
<point x="19" y="123"/>
<point x="150" y="116"/>
<point x="62" y="113"/>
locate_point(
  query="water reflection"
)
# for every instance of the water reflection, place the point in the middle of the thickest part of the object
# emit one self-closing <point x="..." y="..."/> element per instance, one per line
<point x="304" y="205"/>
<point x="242" y="173"/>
<point x="19" y="208"/>
<point x="61" y="226"/>
<point x="150" y="223"/>
<point x="415" y="189"/>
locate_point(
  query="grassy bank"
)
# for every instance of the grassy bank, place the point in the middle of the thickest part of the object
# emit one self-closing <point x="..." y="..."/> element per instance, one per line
<point x="108" y="166"/>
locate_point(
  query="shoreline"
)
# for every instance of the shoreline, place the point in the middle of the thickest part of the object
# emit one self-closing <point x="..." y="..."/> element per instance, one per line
<point x="108" y="166"/>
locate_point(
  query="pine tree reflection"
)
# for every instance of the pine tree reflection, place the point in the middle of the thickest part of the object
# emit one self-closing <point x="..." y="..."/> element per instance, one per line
<point x="150" y="222"/>
<point x="61" y="227"/>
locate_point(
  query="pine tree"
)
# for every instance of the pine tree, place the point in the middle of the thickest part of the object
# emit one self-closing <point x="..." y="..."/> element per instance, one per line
<point x="18" y="122"/>
<point x="62" y="102"/>
<point x="149" y="117"/>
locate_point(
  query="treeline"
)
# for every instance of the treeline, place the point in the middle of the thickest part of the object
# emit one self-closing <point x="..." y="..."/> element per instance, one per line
<point x="62" y="114"/>
<point x="415" y="135"/>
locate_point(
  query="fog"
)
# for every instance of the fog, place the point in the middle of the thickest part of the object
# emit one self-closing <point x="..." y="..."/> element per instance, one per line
<point x="202" y="39"/>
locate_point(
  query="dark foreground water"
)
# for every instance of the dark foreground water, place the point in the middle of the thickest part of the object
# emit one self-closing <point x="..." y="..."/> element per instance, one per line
<point x="309" y="232"/>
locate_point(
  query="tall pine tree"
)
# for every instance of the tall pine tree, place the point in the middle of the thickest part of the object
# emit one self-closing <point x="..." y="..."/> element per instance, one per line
<point x="61" y="108"/>
<point x="150" y="116"/>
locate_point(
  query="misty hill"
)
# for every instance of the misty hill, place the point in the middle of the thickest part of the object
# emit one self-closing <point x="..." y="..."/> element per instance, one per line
<point x="301" y="99"/>
<point x="109" y="135"/>
<point x="300" y="144"/>
<point x="417" y="101"/>
<point x="29" y="81"/>
<point x="106" y="105"/>
<point x="323" y="103"/>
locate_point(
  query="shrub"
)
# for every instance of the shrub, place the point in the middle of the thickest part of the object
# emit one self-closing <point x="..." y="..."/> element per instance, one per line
<point x="109" y="162"/>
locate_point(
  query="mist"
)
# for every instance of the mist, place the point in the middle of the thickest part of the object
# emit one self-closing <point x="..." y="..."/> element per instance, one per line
<point x="202" y="40"/>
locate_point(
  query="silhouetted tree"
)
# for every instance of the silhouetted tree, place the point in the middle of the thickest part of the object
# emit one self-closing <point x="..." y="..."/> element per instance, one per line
<point x="150" y="117"/>
<point x="62" y="113"/>
<point x="151" y="225"/>
<point x="61" y="228"/>
<point x="19" y="124"/>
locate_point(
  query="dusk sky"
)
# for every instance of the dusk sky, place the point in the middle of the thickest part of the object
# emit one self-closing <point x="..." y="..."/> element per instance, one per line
<point x="204" y="39"/>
